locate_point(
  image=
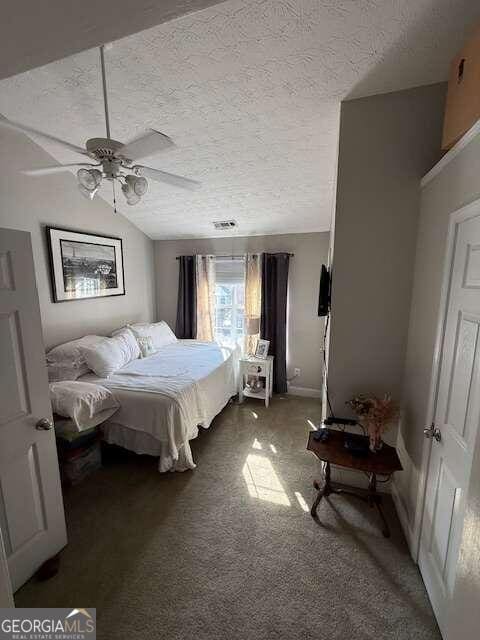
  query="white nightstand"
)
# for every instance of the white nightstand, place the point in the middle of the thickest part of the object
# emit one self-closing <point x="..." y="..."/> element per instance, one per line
<point x="251" y="366"/>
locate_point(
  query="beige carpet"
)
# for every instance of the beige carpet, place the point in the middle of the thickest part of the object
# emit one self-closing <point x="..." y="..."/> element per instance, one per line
<point x="227" y="551"/>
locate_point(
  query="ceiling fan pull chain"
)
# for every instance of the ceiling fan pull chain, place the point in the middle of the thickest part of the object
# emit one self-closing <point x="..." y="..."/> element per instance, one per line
<point x="114" y="199"/>
<point x="104" y="82"/>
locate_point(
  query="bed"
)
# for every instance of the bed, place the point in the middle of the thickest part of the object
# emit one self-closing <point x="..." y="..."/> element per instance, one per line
<point x="164" y="398"/>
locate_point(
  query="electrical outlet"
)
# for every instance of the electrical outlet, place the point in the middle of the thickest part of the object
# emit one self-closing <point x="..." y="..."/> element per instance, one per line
<point x="296" y="371"/>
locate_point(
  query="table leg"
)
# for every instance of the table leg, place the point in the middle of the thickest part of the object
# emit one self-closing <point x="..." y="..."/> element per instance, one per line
<point x="325" y="490"/>
<point x="386" y="528"/>
<point x="375" y="499"/>
<point x="267" y="390"/>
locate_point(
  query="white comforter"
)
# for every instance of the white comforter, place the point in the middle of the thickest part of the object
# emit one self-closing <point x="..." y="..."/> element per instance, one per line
<point x="169" y="394"/>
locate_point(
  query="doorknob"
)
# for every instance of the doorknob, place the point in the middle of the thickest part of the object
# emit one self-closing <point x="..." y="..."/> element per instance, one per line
<point x="433" y="432"/>
<point x="44" y="424"/>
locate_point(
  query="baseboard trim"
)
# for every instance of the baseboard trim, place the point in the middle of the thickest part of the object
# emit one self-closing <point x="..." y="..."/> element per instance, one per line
<point x="306" y="392"/>
<point x="403" y="517"/>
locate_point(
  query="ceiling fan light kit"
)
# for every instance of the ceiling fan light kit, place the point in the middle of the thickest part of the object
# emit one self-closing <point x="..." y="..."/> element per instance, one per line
<point x="137" y="184"/>
<point x="90" y="179"/>
<point x="113" y="159"/>
<point x="130" y="196"/>
<point x="87" y="193"/>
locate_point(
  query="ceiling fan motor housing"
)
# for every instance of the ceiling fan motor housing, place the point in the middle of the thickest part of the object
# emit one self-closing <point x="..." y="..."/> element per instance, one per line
<point x="111" y="168"/>
<point x="103" y="148"/>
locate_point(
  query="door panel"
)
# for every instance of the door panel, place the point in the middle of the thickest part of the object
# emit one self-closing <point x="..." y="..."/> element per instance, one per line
<point x="31" y="506"/>
<point x="24" y="519"/>
<point x="462" y="374"/>
<point x="6" y="272"/>
<point x="445" y="499"/>
<point x="471" y="278"/>
<point x="14" y="395"/>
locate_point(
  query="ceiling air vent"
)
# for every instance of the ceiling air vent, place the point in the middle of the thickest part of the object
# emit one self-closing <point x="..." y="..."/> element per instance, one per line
<point x="221" y="225"/>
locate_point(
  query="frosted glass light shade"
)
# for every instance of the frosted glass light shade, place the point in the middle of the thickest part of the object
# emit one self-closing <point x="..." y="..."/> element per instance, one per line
<point x="138" y="185"/>
<point x="87" y="193"/>
<point x="130" y="195"/>
<point x="89" y="178"/>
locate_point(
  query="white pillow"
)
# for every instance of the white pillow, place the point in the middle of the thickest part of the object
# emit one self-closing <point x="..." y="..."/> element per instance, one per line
<point x="86" y="404"/>
<point x="58" y="371"/>
<point x="111" y="354"/>
<point x="146" y="346"/>
<point x="115" y="332"/>
<point x="66" y="361"/>
<point x="160" y="333"/>
<point x="121" y="331"/>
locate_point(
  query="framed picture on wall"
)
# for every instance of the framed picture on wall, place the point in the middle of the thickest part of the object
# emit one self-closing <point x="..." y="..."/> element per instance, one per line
<point x="84" y="265"/>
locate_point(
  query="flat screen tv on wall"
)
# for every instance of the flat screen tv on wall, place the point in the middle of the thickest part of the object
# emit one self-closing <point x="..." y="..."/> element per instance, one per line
<point x="324" y="292"/>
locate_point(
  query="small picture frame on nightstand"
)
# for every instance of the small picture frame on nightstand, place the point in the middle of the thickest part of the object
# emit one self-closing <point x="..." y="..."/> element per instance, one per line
<point x="261" y="351"/>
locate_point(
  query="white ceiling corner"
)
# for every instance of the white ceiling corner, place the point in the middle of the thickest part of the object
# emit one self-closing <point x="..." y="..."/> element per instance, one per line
<point x="250" y="93"/>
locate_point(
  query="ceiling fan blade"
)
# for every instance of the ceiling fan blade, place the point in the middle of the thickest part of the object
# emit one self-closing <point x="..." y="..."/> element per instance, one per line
<point x="15" y="126"/>
<point x="169" y="178"/>
<point x="59" y="168"/>
<point x="147" y="144"/>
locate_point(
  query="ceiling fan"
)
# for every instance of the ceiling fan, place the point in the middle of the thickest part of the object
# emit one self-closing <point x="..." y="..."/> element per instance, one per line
<point x="115" y="160"/>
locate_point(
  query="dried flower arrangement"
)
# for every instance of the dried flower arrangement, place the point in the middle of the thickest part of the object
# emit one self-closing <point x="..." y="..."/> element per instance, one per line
<point x="376" y="413"/>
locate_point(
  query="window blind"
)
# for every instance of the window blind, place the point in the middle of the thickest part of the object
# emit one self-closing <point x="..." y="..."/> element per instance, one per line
<point x="229" y="270"/>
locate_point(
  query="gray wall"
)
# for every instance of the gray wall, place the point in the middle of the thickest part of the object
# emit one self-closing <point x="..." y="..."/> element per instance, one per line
<point x="29" y="204"/>
<point x="386" y="144"/>
<point x="457" y="185"/>
<point x="304" y="326"/>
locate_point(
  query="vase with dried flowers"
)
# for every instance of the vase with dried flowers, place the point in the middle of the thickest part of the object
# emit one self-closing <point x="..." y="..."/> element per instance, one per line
<point x="376" y="413"/>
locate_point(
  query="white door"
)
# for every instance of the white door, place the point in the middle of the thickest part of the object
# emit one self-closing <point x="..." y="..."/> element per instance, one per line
<point x="6" y="596"/>
<point x="31" y="506"/>
<point x="457" y="413"/>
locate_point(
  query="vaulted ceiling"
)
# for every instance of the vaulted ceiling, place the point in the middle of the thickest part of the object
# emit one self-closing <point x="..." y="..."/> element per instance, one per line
<point x="250" y="93"/>
<point x="36" y="33"/>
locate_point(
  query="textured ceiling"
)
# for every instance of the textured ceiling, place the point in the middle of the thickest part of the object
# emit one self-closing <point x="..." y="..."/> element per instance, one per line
<point x="35" y="33"/>
<point x="250" y="92"/>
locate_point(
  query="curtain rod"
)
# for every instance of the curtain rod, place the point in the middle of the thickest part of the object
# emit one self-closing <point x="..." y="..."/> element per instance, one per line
<point x="235" y="257"/>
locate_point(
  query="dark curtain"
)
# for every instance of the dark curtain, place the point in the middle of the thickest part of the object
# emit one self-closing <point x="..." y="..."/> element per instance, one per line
<point x="273" y="321"/>
<point x="186" y="326"/>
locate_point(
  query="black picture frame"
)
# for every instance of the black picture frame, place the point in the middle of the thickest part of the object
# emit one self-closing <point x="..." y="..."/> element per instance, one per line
<point x="101" y="278"/>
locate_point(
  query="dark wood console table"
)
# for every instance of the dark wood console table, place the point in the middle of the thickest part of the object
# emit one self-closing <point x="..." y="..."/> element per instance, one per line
<point x="385" y="462"/>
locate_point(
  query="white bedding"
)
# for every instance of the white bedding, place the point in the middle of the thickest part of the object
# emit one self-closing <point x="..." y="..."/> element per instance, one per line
<point x="167" y="396"/>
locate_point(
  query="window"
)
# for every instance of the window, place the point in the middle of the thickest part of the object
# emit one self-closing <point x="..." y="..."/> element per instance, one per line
<point x="229" y="301"/>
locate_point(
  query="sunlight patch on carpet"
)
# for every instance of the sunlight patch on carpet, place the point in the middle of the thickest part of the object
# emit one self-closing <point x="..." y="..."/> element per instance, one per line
<point x="262" y="481"/>
<point x="301" y="501"/>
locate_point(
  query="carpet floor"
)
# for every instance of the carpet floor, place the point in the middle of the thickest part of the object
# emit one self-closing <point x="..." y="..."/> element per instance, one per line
<point x="228" y="551"/>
